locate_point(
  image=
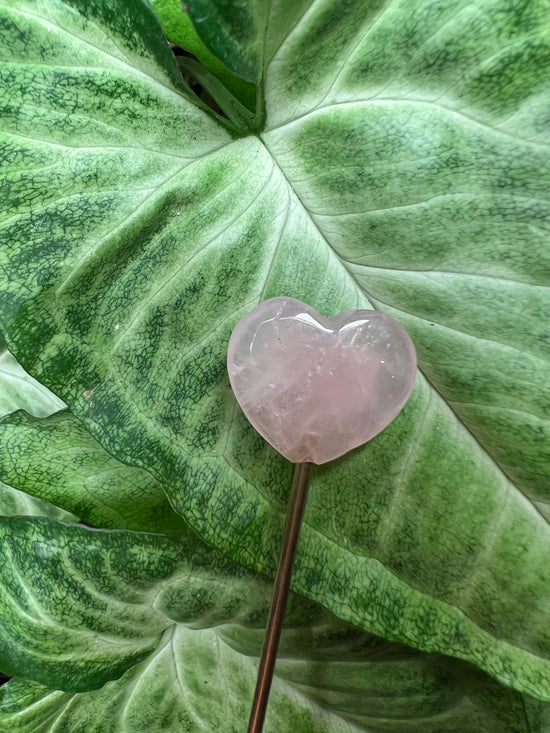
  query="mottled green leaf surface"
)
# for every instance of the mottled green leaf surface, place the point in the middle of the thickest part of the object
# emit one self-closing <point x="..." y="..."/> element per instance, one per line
<point x="54" y="462"/>
<point x="81" y="606"/>
<point x="57" y="459"/>
<point x="198" y="621"/>
<point x="373" y="693"/>
<point x="404" y="165"/>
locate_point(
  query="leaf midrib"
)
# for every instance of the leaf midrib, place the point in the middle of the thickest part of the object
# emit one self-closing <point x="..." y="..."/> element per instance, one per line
<point x="412" y="101"/>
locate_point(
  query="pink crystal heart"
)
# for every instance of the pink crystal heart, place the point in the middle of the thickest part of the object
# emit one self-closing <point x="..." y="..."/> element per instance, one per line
<point x="316" y="387"/>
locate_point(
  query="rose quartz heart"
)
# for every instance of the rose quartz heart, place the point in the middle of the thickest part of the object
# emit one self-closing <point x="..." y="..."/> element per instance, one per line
<point x="316" y="387"/>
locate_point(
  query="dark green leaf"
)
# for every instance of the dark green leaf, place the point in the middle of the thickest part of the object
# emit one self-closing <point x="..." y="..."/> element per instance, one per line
<point x="179" y="29"/>
<point x="201" y="619"/>
<point x="233" y="32"/>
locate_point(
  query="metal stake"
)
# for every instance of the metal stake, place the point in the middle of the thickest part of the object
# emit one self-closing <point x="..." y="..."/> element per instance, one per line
<point x="296" y="506"/>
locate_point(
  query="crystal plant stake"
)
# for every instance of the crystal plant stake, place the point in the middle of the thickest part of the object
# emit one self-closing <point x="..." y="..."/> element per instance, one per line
<point x="314" y="388"/>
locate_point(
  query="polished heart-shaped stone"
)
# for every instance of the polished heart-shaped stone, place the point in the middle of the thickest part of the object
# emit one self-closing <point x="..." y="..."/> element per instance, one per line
<point x="316" y="387"/>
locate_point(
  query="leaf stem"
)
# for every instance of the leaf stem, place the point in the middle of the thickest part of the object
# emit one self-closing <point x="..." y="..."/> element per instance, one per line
<point x="243" y="119"/>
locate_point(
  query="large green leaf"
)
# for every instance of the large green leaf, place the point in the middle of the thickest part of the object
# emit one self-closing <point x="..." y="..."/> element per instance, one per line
<point x="404" y="164"/>
<point x="56" y="459"/>
<point x="200" y="620"/>
<point x="124" y="590"/>
<point x="374" y="693"/>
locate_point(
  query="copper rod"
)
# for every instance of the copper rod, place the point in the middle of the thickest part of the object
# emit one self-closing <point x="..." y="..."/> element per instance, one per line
<point x="296" y="506"/>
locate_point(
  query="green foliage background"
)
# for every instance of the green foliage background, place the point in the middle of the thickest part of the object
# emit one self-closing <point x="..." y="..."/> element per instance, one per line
<point x="389" y="155"/>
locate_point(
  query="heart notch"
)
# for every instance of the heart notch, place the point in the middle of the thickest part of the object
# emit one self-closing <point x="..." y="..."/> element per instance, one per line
<point x="316" y="387"/>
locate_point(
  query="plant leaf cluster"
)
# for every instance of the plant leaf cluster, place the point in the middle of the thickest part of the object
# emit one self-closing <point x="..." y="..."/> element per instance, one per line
<point x="382" y="155"/>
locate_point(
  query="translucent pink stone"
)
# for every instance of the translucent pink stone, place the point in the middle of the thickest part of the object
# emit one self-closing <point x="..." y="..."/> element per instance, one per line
<point x="316" y="387"/>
